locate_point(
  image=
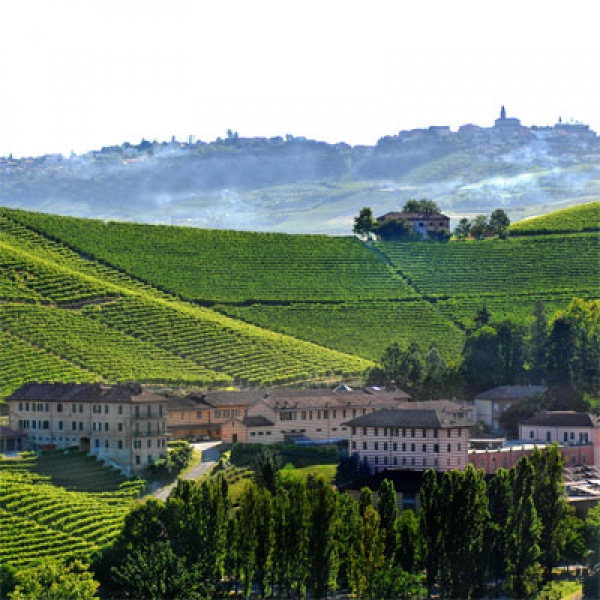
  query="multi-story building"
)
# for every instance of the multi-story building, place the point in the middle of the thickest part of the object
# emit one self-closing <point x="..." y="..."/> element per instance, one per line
<point x="491" y="404"/>
<point x="433" y="435"/>
<point x="202" y="415"/>
<point x="123" y="425"/>
<point x="312" y="414"/>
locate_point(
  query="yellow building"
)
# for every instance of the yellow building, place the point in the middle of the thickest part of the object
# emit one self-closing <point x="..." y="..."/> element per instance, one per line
<point x="123" y="425"/>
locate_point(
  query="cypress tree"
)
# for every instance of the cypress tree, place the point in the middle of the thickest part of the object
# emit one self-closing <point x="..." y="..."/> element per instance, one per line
<point x="407" y="542"/>
<point x="500" y="501"/>
<point x="365" y="500"/>
<point x="347" y="530"/>
<point x="247" y="520"/>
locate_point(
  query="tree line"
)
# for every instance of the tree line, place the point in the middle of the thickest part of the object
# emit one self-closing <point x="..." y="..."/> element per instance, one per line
<point x="562" y="352"/>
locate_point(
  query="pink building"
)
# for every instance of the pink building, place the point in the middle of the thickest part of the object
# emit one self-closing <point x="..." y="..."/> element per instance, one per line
<point x="434" y="435"/>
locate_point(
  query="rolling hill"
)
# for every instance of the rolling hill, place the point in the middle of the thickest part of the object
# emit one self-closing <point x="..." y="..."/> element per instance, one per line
<point x="87" y="300"/>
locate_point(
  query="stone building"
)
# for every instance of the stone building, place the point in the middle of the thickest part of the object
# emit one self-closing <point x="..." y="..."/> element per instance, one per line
<point x="123" y="425"/>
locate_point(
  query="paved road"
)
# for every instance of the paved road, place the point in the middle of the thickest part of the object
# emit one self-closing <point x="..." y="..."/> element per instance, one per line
<point x="210" y="456"/>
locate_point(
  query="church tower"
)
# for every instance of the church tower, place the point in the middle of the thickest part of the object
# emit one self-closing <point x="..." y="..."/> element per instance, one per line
<point x="502" y="113"/>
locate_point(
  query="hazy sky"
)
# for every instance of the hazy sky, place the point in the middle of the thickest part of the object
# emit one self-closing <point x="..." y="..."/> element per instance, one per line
<point x="77" y="75"/>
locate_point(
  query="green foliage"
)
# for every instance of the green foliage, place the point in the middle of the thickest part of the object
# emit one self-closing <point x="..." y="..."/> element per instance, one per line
<point x="266" y="465"/>
<point x="364" y="223"/>
<point x="479" y="226"/>
<point x="388" y="513"/>
<point x="585" y="217"/>
<point x="51" y="580"/>
<point x="421" y="206"/>
<point x="499" y="222"/>
<point x="244" y="455"/>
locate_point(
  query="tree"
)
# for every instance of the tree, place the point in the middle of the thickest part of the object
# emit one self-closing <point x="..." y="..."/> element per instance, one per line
<point x="435" y="373"/>
<point x="463" y="229"/>
<point x="511" y="349"/>
<point x="407" y="541"/>
<point x="479" y="226"/>
<point x="482" y="317"/>
<point x="367" y="557"/>
<point x="387" y="508"/>
<point x="499" y="222"/>
<point x="551" y="506"/>
<point x="266" y="465"/>
<point x="346" y="532"/>
<point x="500" y="501"/>
<point x="393" y="228"/>
<point x="365" y="499"/>
<point x="482" y="364"/>
<point x="429" y="526"/>
<point x="404" y="366"/>
<point x="427" y="207"/>
<point x="51" y="580"/>
<point x="561" y="352"/>
<point x="364" y="224"/>
<point x="537" y="344"/>
<point x="247" y="520"/>
<point x="523" y="569"/>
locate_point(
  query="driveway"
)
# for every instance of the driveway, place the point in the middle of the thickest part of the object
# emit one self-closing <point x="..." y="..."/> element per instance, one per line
<point x="210" y="456"/>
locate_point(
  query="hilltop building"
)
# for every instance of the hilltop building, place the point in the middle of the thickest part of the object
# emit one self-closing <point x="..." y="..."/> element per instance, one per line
<point x="420" y="223"/>
<point x="123" y="425"/>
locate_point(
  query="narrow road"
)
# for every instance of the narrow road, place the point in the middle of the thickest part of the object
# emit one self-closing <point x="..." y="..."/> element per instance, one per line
<point x="210" y="456"/>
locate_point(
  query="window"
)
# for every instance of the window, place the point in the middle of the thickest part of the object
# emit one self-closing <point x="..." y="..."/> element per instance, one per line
<point x="572" y="435"/>
<point x="334" y="413"/>
<point x="364" y="411"/>
<point x="385" y="460"/>
<point x="27" y="406"/>
<point x="353" y="445"/>
<point x="160" y="410"/>
<point x="450" y="432"/>
<point x="304" y="415"/>
<point x="424" y="447"/>
<point x="106" y="443"/>
<point x="105" y="426"/>
<point x="364" y="431"/>
<point x="424" y="462"/>
<point x="566" y="437"/>
<point x="137" y="459"/>
<point x="376" y="445"/>
<point x="120" y="427"/>
<point x="404" y="447"/>
<point x="376" y="431"/>
<point x="73" y="408"/>
<point x="404" y="460"/>
<point x="137" y="444"/>
<point x="120" y="444"/>
<point x="353" y="412"/>
<point x="34" y="424"/>
<point x="81" y="408"/>
<point x="198" y="414"/>
<point x="149" y="443"/>
<point x="435" y="433"/>
<point x="395" y="446"/>
<point x="377" y="460"/>
<point x="97" y="444"/>
<point x="74" y="425"/>
<point x="326" y="414"/>
<point x="354" y="431"/>
<point x="424" y="433"/>
<point x="364" y="445"/>
<point x="449" y="447"/>
<point x="548" y="436"/>
<point x="60" y="425"/>
<point x="412" y="433"/>
<point x="459" y="449"/>
<point x="286" y="415"/>
<point x="59" y="407"/>
<point x="21" y="406"/>
<point x="80" y="425"/>
<point x="412" y="448"/>
<point x="385" y="446"/>
<point x="436" y="448"/>
<point x="120" y="410"/>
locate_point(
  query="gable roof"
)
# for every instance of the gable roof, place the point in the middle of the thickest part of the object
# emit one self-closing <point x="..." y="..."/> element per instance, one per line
<point x="258" y="421"/>
<point x="562" y="419"/>
<point x="407" y="417"/>
<point x="511" y="392"/>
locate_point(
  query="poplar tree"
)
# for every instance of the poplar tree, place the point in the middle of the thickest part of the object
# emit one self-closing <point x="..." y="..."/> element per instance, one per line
<point x="367" y="557"/>
<point x="429" y="526"/>
<point x="523" y="570"/>
<point x="365" y="499"/>
<point x="323" y="551"/>
<point x="500" y="501"/>
<point x="407" y="541"/>
<point x="347" y="534"/>
<point x="551" y="505"/>
<point x="247" y="520"/>
<point x="388" y="513"/>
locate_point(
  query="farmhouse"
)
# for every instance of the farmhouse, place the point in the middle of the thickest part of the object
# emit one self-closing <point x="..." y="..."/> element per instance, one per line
<point x="122" y="425"/>
<point x="306" y="415"/>
<point x="430" y="435"/>
<point x="420" y="223"/>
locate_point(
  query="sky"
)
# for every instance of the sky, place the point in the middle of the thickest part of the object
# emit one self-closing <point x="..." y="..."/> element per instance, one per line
<point x="79" y="75"/>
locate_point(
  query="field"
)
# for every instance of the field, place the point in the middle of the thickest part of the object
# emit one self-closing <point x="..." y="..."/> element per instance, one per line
<point x="585" y="217"/>
<point x="87" y="300"/>
<point x="41" y="518"/>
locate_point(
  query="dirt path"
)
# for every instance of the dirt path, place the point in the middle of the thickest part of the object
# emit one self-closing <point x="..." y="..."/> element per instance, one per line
<point x="210" y="456"/>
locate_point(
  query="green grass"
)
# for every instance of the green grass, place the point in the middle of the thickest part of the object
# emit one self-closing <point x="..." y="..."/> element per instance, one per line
<point x="585" y="217"/>
<point x="326" y="472"/>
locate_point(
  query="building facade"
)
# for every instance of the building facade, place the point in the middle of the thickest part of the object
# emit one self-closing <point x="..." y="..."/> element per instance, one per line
<point x="433" y="436"/>
<point x="123" y="425"/>
<point x="420" y="223"/>
<point x="306" y="415"/>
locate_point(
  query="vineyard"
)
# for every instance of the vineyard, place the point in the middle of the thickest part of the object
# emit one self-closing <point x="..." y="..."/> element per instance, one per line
<point x="40" y="520"/>
<point x="364" y="329"/>
<point x="85" y="300"/>
<point x="565" y="264"/>
<point x="229" y="266"/>
<point x="585" y="217"/>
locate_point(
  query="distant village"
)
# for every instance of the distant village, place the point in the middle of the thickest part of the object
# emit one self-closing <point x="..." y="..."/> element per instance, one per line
<point x="569" y="139"/>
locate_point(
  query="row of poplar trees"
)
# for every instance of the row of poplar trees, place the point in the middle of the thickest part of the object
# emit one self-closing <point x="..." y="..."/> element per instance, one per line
<point x="304" y="539"/>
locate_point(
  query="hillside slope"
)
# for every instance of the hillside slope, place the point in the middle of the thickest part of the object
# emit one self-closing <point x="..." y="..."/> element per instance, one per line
<point x="177" y="306"/>
<point x="585" y="217"/>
